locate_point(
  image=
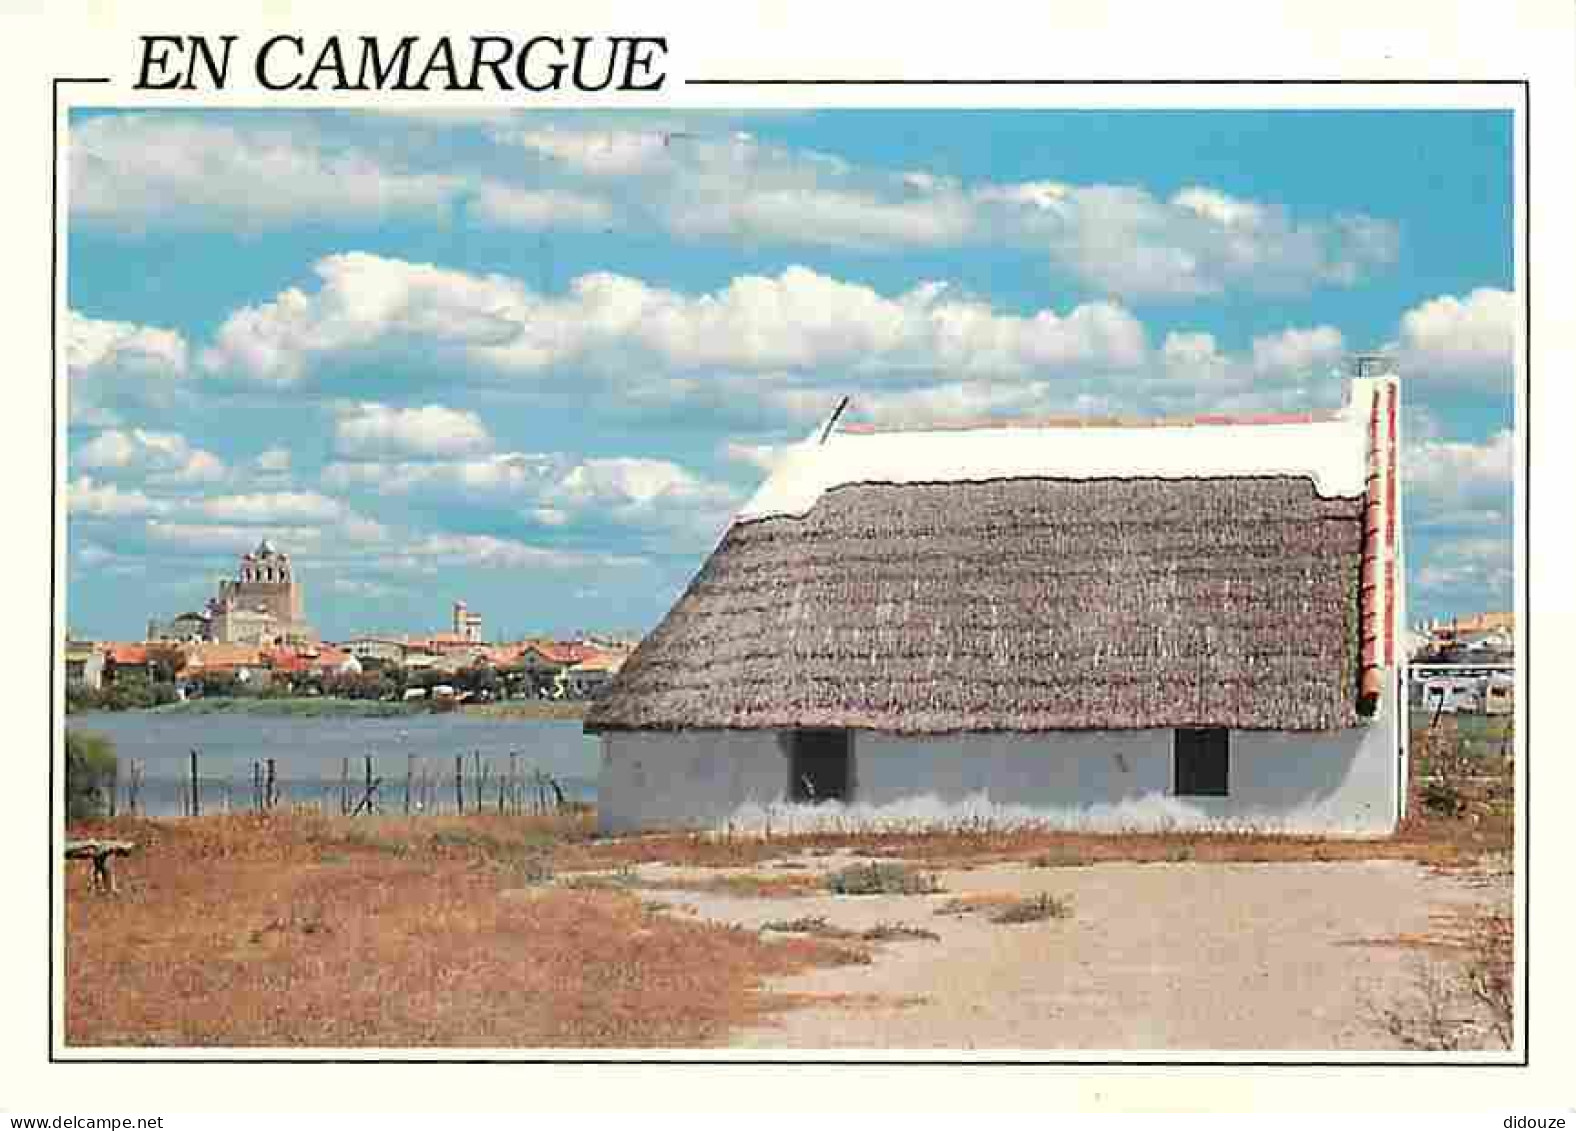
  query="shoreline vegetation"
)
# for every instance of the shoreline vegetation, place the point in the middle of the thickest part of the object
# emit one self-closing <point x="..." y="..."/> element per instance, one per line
<point x="329" y="707"/>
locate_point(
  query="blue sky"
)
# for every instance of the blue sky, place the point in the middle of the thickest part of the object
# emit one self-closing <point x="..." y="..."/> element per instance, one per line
<point x="535" y="360"/>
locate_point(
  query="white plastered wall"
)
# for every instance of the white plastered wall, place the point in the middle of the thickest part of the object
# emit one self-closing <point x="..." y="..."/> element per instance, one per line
<point x="1345" y="782"/>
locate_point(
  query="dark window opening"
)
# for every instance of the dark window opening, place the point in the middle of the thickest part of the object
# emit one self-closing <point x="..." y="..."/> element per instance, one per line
<point x="1202" y="760"/>
<point x="820" y="766"/>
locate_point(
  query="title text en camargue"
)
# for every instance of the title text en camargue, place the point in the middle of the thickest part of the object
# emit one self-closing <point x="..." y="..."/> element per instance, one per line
<point x="474" y="63"/>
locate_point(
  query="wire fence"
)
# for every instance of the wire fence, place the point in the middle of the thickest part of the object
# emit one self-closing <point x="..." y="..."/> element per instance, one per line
<point x="364" y="786"/>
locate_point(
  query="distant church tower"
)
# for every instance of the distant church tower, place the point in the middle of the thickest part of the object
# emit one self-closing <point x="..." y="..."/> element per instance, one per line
<point x="262" y="603"/>
<point x="467" y="625"/>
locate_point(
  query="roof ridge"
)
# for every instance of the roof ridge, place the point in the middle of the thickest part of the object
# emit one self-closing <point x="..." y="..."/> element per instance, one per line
<point x="1317" y="416"/>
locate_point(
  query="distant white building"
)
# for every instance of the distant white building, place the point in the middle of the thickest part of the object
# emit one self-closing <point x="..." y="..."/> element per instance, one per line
<point x="386" y="649"/>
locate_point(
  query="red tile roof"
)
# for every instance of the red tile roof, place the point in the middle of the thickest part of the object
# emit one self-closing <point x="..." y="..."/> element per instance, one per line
<point x="211" y="657"/>
<point x="285" y="660"/>
<point x="562" y="651"/>
<point x="126" y="653"/>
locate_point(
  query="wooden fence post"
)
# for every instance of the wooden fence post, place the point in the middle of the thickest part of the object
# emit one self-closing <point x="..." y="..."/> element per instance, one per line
<point x="371" y="802"/>
<point x="459" y="783"/>
<point x="271" y="786"/>
<point x="344" y="786"/>
<point x="196" y="790"/>
<point x="410" y="773"/>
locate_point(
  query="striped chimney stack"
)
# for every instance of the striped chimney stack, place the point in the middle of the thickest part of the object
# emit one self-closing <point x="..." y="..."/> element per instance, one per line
<point x="1375" y="380"/>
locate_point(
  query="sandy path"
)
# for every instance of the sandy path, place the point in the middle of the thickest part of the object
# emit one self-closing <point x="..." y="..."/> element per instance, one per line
<point x="1155" y="956"/>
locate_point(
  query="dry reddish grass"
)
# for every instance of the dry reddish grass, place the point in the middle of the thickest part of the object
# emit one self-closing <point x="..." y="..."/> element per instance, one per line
<point x="860" y="1002"/>
<point x="747" y="885"/>
<point x="693" y="850"/>
<point x="310" y="932"/>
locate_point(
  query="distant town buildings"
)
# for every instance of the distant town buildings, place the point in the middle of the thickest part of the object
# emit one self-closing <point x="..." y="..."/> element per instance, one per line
<point x="1465" y="664"/>
<point x="1485" y="638"/>
<point x="253" y="635"/>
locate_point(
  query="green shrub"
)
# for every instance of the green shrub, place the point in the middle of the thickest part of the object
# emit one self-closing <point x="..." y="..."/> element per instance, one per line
<point x="131" y="691"/>
<point x="90" y="774"/>
<point x="881" y="879"/>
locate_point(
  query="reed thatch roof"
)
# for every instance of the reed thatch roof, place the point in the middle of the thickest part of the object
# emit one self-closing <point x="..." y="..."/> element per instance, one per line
<point x="1017" y="605"/>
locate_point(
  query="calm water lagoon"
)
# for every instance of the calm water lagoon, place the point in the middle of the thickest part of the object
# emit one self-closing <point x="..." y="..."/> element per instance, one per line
<point x="308" y="754"/>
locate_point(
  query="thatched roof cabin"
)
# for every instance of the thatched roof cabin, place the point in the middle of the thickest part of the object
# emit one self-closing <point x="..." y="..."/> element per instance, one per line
<point x="1064" y="597"/>
<point x="987" y="589"/>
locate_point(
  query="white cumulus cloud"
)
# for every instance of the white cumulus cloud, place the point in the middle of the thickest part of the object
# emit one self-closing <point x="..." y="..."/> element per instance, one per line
<point x="271" y="507"/>
<point x="137" y="170"/>
<point x="372" y="429"/>
<point x="86" y="498"/>
<point x="112" y="365"/>
<point x="507" y="206"/>
<point x="273" y="461"/>
<point x="555" y="490"/>
<point x="798" y="319"/>
<point x="763" y="457"/>
<point x="1467" y="342"/>
<point x="1461" y="483"/>
<point x="1119" y="238"/>
<point x="163" y="457"/>
<point x="130" y="171"/>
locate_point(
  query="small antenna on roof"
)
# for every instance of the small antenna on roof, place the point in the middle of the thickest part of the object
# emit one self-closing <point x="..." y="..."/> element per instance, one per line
<point x="1376" y="363"/>
<point x="832" y="421"/>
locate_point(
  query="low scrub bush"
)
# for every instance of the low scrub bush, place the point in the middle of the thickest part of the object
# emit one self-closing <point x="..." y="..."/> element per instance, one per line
<point x="891" y="932"/>
<point x="1060" y="858"/>
<point x="881" y="879"/>
<point x="534" y="870"/>
<point x="621" y="879"/>
<point x="808" y="925"/>
<point x="817" y="926"/>
<point x="1034" y="910"/>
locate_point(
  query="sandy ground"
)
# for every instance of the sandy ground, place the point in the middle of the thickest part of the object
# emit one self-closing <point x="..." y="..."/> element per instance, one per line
<point x="1174" y="956"/>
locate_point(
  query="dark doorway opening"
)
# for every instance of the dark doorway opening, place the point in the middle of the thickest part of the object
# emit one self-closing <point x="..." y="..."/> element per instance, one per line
<point x="820" y="766"/>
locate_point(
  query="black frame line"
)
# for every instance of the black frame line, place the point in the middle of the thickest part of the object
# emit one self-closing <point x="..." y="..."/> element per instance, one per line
<point x="54" y="509"/>
<point x="1523" y="665"/>
<point x="1103" y="82"/>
